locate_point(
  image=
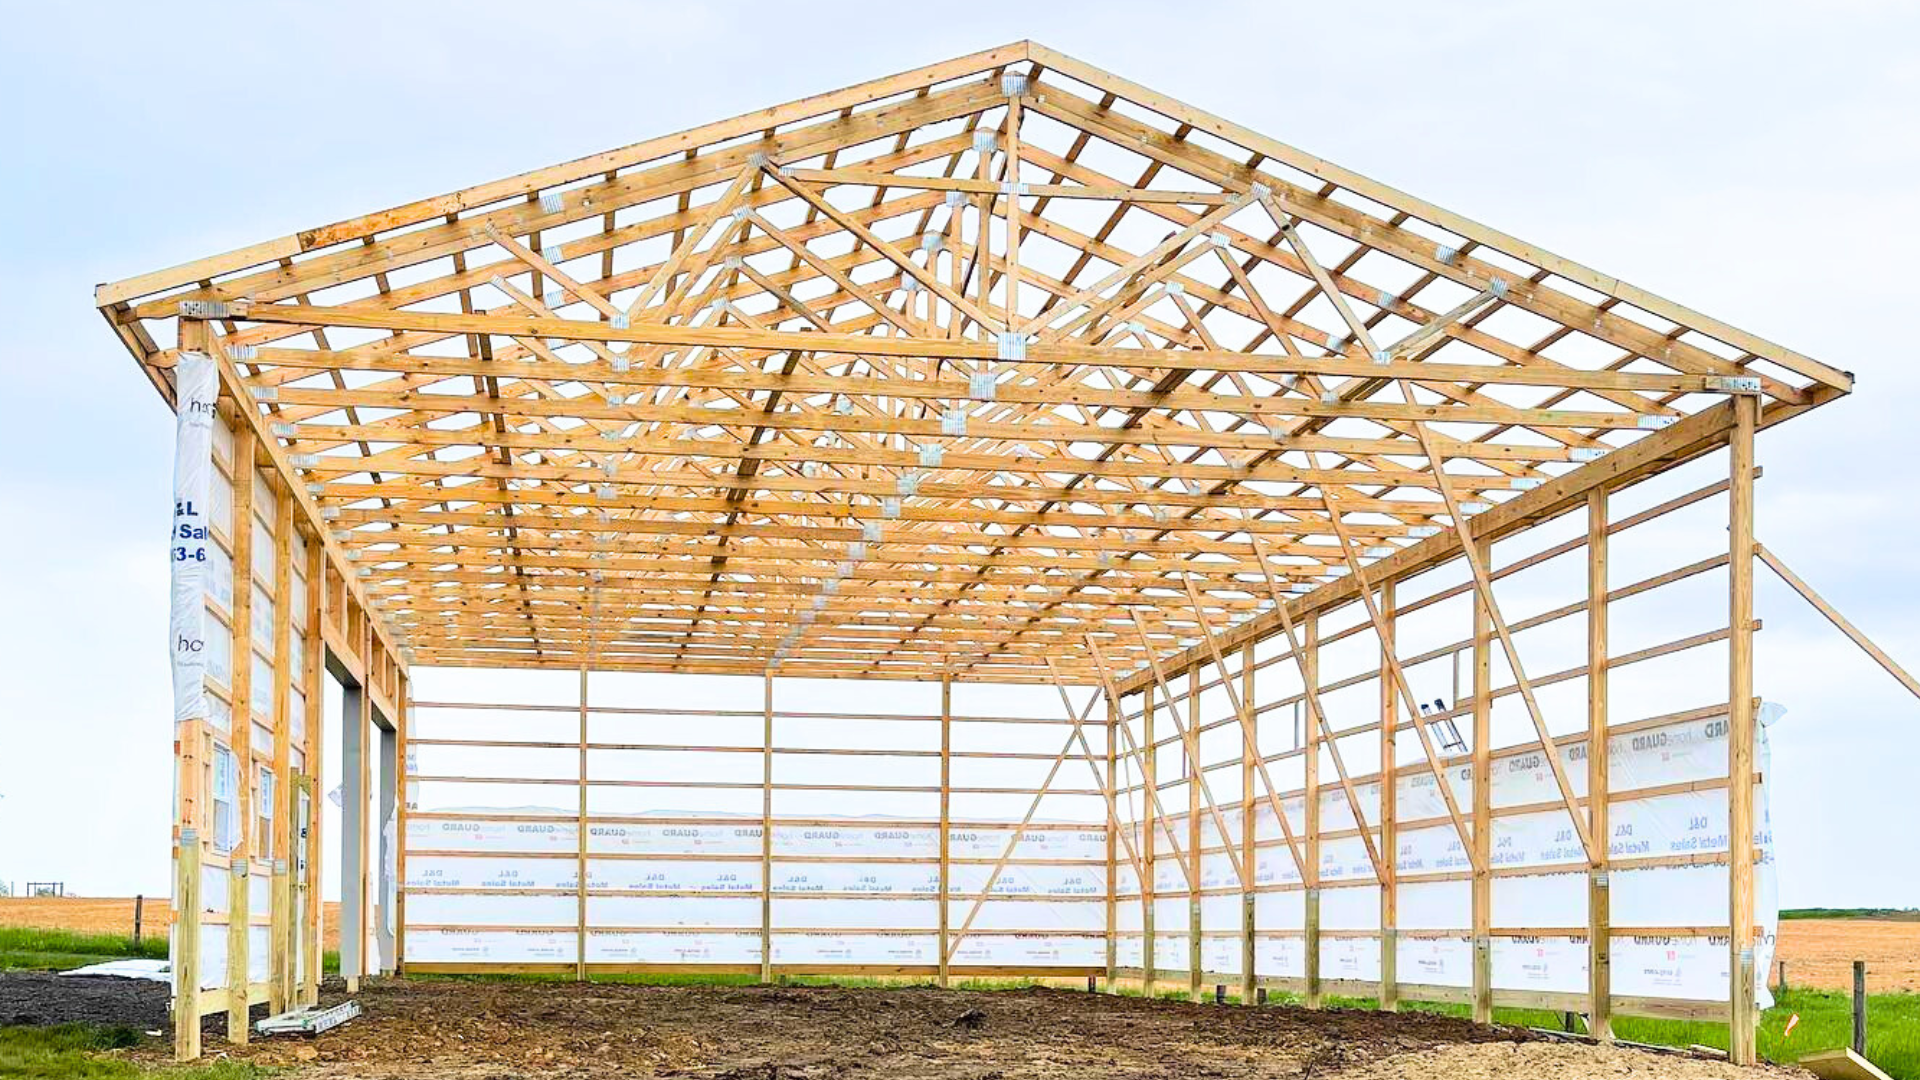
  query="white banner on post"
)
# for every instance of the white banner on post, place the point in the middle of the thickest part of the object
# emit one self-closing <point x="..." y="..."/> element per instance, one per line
<point x="196" y="388"/>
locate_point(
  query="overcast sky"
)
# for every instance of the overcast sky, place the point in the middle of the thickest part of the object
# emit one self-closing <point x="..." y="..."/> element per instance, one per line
<point x="1759" y="162"/>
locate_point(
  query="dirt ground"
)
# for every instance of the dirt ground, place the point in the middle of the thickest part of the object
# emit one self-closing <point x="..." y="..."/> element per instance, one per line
<point x="467" y="1030"/>
<point x="1820" y="953"/>
<point x="110" y="915"/>
<point x="44" y="997"/>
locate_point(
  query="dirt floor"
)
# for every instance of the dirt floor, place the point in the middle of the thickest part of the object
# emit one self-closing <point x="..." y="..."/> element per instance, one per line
<point x="110" y="915"/>
<point x="446" y="1029"/>
<point x="1820" y="953"/>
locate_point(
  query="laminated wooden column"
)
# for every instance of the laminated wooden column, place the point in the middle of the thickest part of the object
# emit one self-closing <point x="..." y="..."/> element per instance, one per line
<point x="1389" y="807"/>
<point x="1482" y="803"/>
<point x="313" y="906"/>
<point x="239" y="915"/>
<point x="1740" y="1018"/>
<point x="403" y="691"/>
<point x="946" y="813"/>
<point x="580" y="845"/>
<point x="1310" y="667"/>
<point x="1249" y="750"/>
<point x="1113" y="833"/>
<point x="187" y="904"/>
<point x="191" y="756"/>
<point x="280" y="933"/>
<point x="1196" y="923"/>
<point x="766" y="838"/>
<point x="363" y="866"/>
<point x="1599" y="889"/>
<point x="1150" y="778"/>
<point x="190" y="752"/>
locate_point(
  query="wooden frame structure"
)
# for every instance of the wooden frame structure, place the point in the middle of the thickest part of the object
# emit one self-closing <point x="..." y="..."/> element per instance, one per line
<point x="1003" y="369"/>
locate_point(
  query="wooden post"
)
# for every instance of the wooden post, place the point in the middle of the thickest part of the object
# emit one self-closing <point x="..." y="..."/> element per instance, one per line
<point x="1310" y="667"/>
<point x="1150" y="777"/>
<point x="239" y="893"/>
<point x="1482" y="803"/>
<point x="139" y="901"/>
<point x="1782" y="982"/>
<point x="364" y="867"/>
<point x="580" y="844"/>
<point x="1113" y="837"/>
<point x="403" y="692"/>
<point x="1599" y="888"/>
<point x="1860" y="1007"/>
<point x="313" y="910"/>
<point x="280" y="967"/>
<point x="1196" y="926"/>
<point x="1249" y="750"/>
<point x="191" y="757"/>
<point x="766" y="841"/>
<point x="1740" y="1019"/>
<point x="1389" y="800"/>
<point x="186" y="937"/>
<point x="946" y="817"/>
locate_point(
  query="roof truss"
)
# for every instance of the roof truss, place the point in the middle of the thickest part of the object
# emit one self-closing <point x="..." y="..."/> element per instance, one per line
<point x="958" y="370"/>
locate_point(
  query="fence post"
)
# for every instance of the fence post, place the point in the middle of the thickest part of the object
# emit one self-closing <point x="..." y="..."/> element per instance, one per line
<point x="138" y="900"/>
<point x="1860" y="1007"/>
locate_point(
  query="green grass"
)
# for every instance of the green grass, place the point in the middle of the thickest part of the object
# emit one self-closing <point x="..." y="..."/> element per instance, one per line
<point x="58" y="950"/>
<point x="84" y="1052"/>
<point x="1898" y="914"/>
<point x="1826" y="1022"/>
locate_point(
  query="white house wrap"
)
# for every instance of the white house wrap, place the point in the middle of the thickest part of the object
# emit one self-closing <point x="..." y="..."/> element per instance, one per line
<point x="197" y="385"/>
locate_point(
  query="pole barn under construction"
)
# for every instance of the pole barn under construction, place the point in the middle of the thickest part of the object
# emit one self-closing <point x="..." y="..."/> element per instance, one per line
<point x="1256" y="558"/>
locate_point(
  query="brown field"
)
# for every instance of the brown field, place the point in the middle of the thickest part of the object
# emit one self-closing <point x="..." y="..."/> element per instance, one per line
<point x="1820" y="953"/>
<point x="109" y="915"/>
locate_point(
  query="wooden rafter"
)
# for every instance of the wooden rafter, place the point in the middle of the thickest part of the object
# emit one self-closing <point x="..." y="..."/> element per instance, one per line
<point x="965" y="367"/>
